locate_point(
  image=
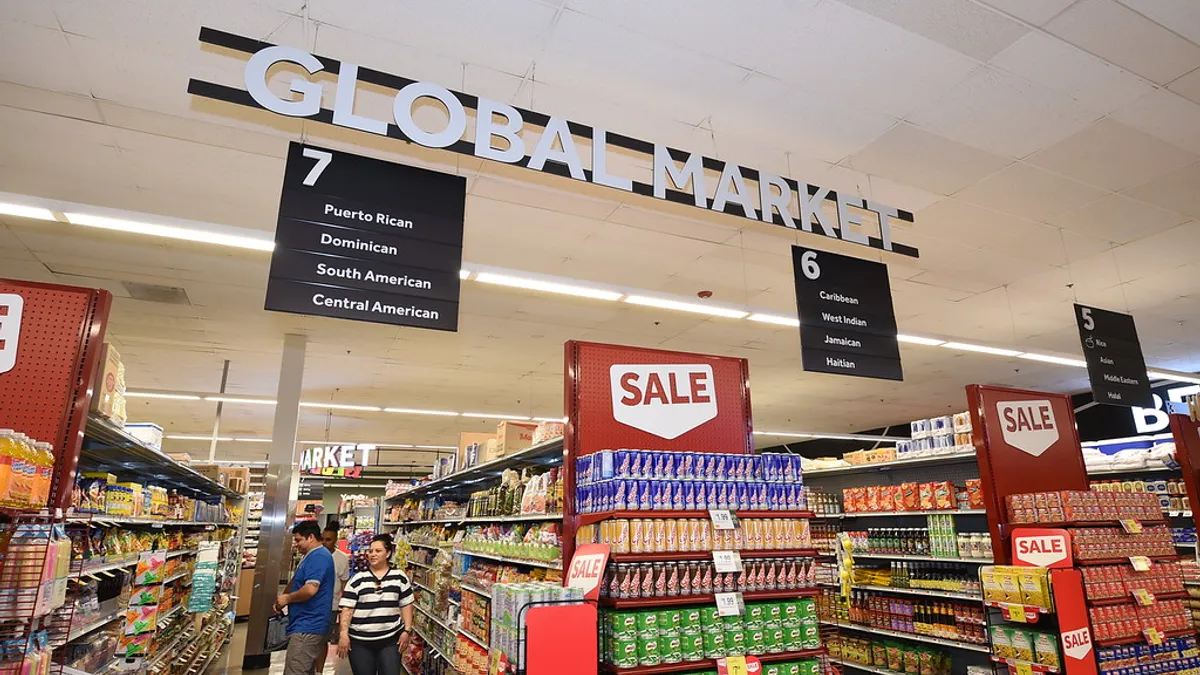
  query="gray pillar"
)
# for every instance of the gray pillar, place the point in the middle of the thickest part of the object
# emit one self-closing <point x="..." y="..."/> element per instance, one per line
<point x="279" y="503"/>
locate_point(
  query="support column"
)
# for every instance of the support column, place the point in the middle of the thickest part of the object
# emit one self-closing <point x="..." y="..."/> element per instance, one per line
<point x="279" y="503"/>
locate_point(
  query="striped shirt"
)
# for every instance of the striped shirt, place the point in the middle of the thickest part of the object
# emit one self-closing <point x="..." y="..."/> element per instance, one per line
<point x="376" y="602"/>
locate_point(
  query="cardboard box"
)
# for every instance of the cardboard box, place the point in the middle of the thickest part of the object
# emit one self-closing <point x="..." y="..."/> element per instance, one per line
<point x="108" y="397"/>
<point x="490" y="450"/>
<point x="512" y="437"/>
<point x="468" y="438"/>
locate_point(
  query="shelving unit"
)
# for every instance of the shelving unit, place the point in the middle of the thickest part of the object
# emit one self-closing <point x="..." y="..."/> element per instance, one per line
<point x="969" y="646"/>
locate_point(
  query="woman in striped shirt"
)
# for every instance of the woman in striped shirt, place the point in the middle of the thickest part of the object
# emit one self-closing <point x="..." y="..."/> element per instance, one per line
<point x="377" y="613"/>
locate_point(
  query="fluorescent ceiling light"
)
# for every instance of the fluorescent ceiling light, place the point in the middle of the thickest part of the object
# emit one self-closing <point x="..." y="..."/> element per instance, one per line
<point x="414" y="411"/>
<point x="240" y="462"/>
<point x="252" y="440"/>
<point x="234" y="399"/>
<point x="968" y="347"/>
<point x="785" y="434"/>
<point x="549" y="419"/>
<point x="547" y="286"/>
<point x="437" y="447"/>
<point x="1045" y="358"/>
<point x="189" y="437"/>
<point x="778" y="320"/>
<point x="341" y="406"/>
<point x="663" y="303"/>
<point x="918" y="340"/>
<point x="464" y="274"/>
<point x="1174" y="378"/>
<point x="170" y="231"/>
<point x="25" y="211"/>
<point x="174" y="397"/>
<point x="840" y="437"/>
<point x="491" y="416"/>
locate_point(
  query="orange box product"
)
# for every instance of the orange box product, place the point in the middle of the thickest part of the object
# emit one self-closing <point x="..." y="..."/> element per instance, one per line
<point x="974" y="493"/>
<point x="872" y="504"/>
<point x="848" y="500"/>
<point x="925" y="496"/>
<point x="943" y="495"/>
<point x="909" y="497"/>
<point x="860" y="499"/>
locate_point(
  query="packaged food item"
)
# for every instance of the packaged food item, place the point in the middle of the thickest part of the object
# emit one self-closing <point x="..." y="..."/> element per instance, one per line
<point x="1034" y="585"/>
<point x="1045" y="647"/>
<point x="1022" y="644"/>
<point x="1002" y="642"/>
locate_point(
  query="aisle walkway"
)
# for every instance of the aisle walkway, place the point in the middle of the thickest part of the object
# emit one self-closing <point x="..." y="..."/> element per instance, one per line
<point x="230" y="660"/>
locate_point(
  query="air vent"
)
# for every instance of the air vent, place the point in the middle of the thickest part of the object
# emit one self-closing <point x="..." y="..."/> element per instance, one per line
<point x="169" y="295"/>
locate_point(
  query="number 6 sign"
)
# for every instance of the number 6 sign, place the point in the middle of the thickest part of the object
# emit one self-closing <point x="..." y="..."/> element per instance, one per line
<point x="11" y="306"/>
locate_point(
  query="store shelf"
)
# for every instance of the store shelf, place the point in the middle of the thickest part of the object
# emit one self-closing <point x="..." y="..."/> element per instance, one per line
<point x="589" y="518"/>
<point x="478" y="590"/>
<point x="107" y="447"/>
<point x="1135" y="639"/>
<point x="178" y="575"/>
<point x="465" y="479"/>
<point x="913" y="636"/>
<point x="423" y="587"/>
<point x="920" y="591"/>
<point x="935" y="512"/>
<point x="527" y="518"/>
<point x="422" y="565"/>
<point x="1129" y="599"/>
<point x="441" y="622"/>
<point x="933" y="460"/>
<point x="708" y="664"/>
<point x="1142" y="469"/>
<point x="103" y="519"/>
<point x="103" y="621"/>
<point x="472" y="638"/>
<point x="1030" y="611"/>
<point x="162" y="618"/>
<point x="428" y="546"/>
<point x="925" y="558"/>
<point x="669" y="556"/>
<point x="431" y="645"/>
<point x="516" y="561"/>
<point x="632" y="603"/>
<point x="864" y="668"/>
<point x="1088" y="523"/>
<point x="107" y="567"/>
<point x="1123" y="561"/>
<point x="181" y="552"/>
<point x="1033" y="667"/>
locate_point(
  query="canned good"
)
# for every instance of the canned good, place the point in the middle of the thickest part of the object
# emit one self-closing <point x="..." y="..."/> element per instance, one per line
<point x="774" y="640"/>
<point x="714" y="644"/>
<point x="773" y="613"/>
<point x="646" y="624"/>
<point x="689" y="620"/>
<point x="754" y="641"/>
<point x="735" y="641"/>
<point x="623" y="625"/>
<point x="691" y="647"/>
<point x="623" y="653"/>
<point x="668" y="621"/>
<point x="793" y="638"/>
<point x="670" y="649"/>
<point x="710" y="620"/>
<point x="648" y="651"/>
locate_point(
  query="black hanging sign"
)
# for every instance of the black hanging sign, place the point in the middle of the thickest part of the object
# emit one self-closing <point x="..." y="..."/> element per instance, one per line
<point x="1115" y="364"/>
<point x="311" y="489"/>
<point x="368" y="240"/>
<point x="847" y="322"/>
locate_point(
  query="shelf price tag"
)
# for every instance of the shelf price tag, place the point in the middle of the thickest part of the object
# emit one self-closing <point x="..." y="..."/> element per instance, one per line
<point x="730" y="604"/>
<point x="1191" y="653"/>
<point x="727" y="561"/>
<point x="1144" y="597"/>
<point x="1140" y="563"/>
<point x="723" y="519"/>
<point x="1153" y="636"/>
<point x="1016" y="613"/>
<point x="1023" y="668"/>
<point x="1131" y="526"/>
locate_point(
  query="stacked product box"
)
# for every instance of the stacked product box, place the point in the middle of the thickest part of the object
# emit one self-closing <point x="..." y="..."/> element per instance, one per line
<point x="664" y="535"/>
<point x="1079" y="506"/>
<point x="508" y="619"/>
<point x="652" y="637"/>
<point x="936" y="436"/>
<point x="928" y="496"/>
<point x="1174" y="656"/>
<point x="642" y="480"/>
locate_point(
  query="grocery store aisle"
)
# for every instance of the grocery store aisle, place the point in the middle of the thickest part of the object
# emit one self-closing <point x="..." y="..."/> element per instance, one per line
<point x="230" y="660"/>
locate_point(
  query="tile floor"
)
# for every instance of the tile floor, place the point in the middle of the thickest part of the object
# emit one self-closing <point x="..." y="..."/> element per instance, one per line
<point x="230" y="660"/>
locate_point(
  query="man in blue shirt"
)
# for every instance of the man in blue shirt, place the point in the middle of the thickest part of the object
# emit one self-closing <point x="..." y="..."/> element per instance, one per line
<point x="309" y="597"/>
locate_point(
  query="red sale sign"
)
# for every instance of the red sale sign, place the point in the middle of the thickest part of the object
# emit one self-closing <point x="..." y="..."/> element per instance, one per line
<point x="587" y="569"/>
<point x="1038" y="547"/>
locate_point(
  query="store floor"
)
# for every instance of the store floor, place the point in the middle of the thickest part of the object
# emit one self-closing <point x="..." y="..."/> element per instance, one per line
<point x="230" y="660"/>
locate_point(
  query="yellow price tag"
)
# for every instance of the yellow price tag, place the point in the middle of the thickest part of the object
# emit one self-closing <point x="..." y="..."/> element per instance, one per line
<point x="1140" y="563"/>
<point x="1023" y="668"/>
<point x="1191" y="653"/>
<point x="1017" y="613"/>
<point x="1131" y="526"/>
<point x="735" y="665"/>
<point x="1153" y="636"/>
<point x="1144" y="597"/>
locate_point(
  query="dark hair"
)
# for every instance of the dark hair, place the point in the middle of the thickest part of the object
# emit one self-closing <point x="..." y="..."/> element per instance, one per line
<point x="307" y="528"/>
<point x="386" y="540"/>
<point x="331" y="527"/>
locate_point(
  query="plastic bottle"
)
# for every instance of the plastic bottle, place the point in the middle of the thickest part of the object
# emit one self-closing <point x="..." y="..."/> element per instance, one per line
<point x="45" y="473"/>
<point x="21" y="493"/>
<point x="7" y="450"/>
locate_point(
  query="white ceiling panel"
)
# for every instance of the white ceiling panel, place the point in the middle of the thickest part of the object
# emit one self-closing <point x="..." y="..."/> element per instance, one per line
<point x="1181" y="16"/>
<point x="1118" y="219"/>
<point x="1112" y="156"/>
<point x="1177" y="191"/>
<point x="1188" y="86"/>
<point x="932" y="162"/>
<point x="1036" y="12"/>
<point x="26" y="44"/>
<point x="1120" y="35"/>
<point x="1030" y="192"/>
<point x="962" y="25"/>
<point x="1165" y="115"/>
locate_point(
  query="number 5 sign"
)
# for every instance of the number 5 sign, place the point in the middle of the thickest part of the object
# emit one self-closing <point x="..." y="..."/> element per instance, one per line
<point x="11" y="306"/>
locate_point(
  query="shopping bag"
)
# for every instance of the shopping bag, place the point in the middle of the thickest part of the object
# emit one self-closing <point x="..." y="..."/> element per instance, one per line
<point x="277" y="637"/>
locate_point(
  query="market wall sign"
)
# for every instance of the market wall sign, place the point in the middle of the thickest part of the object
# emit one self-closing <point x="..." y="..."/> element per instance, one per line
<point x="336" y="461"/>
<point x="555" y="151"/>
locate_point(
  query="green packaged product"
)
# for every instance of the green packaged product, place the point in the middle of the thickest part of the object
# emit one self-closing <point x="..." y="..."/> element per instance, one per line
<point x="623" y="653"/>
<point x="775" y="640"/>
<point x="623" y="625"/>
<point x="648" y="653"/>
<point x="756" y="615"/>
<point x="689" y="620"/>
<point x="771" y="669"/>
<point x="734" y="622"/>
<point x="714" y="644"/>
<point x="670" y="648"/>
<point x="668" y="621"/>
<point x="774" y="613"/>
<point x="710" y="620"/>
<point x="767" y="643"/>
<point x="812" y="637"/>
<point x="691" y="647"/>
<point x="808" y="667"/>
<point x="646" y="624"/>
<point x="794" y="638"/>
<point x="754" y="641"/>
<point x="790" y="668"/>
<point x="735" y="642"/>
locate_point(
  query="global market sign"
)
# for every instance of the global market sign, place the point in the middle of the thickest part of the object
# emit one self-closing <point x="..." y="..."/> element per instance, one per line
<point x="677" y="176"/>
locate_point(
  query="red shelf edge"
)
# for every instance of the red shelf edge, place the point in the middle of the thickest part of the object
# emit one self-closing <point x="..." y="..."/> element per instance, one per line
<point x="708" y="664"/>
<point x="623" y="603"/>
<point x="1134" y="639"/>
<point x="1090" y="523"/>
<point x="1129" y="599"/>
<point x="1124" y="561"/>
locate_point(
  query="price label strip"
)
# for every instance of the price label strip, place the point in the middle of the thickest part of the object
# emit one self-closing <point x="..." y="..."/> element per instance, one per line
<point x="730" y="604"/>
<point x="1153" y="636"/>
<point x="727" y="561"/>
<point x="732" y="665"/>
<point x="723" y="519"/>
<point x="1140" y="563"/>
<point x="1023" y="668"/>
<point x="1131" y="526"/>
<point x="1017" y="613"/>
<point x="1144" y="597"/>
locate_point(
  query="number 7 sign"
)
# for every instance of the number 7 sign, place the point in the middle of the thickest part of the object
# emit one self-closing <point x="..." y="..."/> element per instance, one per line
<point x="11" y="306"/>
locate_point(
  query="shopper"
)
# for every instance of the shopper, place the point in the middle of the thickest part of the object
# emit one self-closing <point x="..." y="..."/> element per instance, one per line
<point x="377" y="613"/>
<point x="341" y="568"/>
<point x="309" y="597"/>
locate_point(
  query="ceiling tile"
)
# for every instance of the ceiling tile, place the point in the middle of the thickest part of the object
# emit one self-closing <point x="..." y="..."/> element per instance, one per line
<point x="1188" y="86"/>
<point x="990" y="230"/>
<point x="1030" y="192"/>
<point x="1118" y="219"/>
<point x="1165" y="115"/>
<point x="1036" y="12"/>
<point x="1113" y="156"/>
<point x="917" y="157"/>
<point x="1067" y="69"/>
<point x="1003" y="114"/>
<point x="1126" y="38"/>
<point x="959" y="24"/>
<point x="1163" y="250"/>
<point x="39" y="57"/>
<point x="1176" y="191"/>
<point x="1181" y="16"/>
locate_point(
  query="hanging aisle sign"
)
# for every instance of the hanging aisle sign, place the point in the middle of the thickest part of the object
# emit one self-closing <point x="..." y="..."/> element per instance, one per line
<point x="1115" y="364"/>
<point x="497" y="135"/>
<point x="368" y="240"/>
<point x="847" y="322"/>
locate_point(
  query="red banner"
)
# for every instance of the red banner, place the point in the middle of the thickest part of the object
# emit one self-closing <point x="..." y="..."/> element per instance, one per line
<point x="587" y="569"/>
<point x="1040" y="547"/>
<point x="1076" y="637"/>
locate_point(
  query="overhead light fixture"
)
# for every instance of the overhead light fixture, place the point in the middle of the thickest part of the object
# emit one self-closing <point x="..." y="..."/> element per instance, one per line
<point x="341" y="406"/>
<point x="173" y="397"/>
<point x="663" y="303"/>
<point x="1046" y="358"/>
<point x="492" y="416"/>
<point x="918" y="340"/>
<point x="549" y="419"/>
<point x="414" y="411"/>
<point x="838" y="437"/>
<point x="239" y="399"/>
<point x="968" y="347"/>
<point x="436" y="447"/>
<point x="190" y="437"/>
<point x="170" y="231"/>
<point x="25" y="211"/>
<point x="1174" y="378"/>
<point x="240" y="462"/>
<point x="464" y="274"/>
<point x="251" y="440"/>
<point x="784" y="434"/>
<point x="778" y="320"/>
<point x="547" y="286"/>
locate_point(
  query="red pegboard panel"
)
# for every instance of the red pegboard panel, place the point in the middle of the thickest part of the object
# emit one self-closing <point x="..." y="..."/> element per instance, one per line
<point x="45" y="394"/>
